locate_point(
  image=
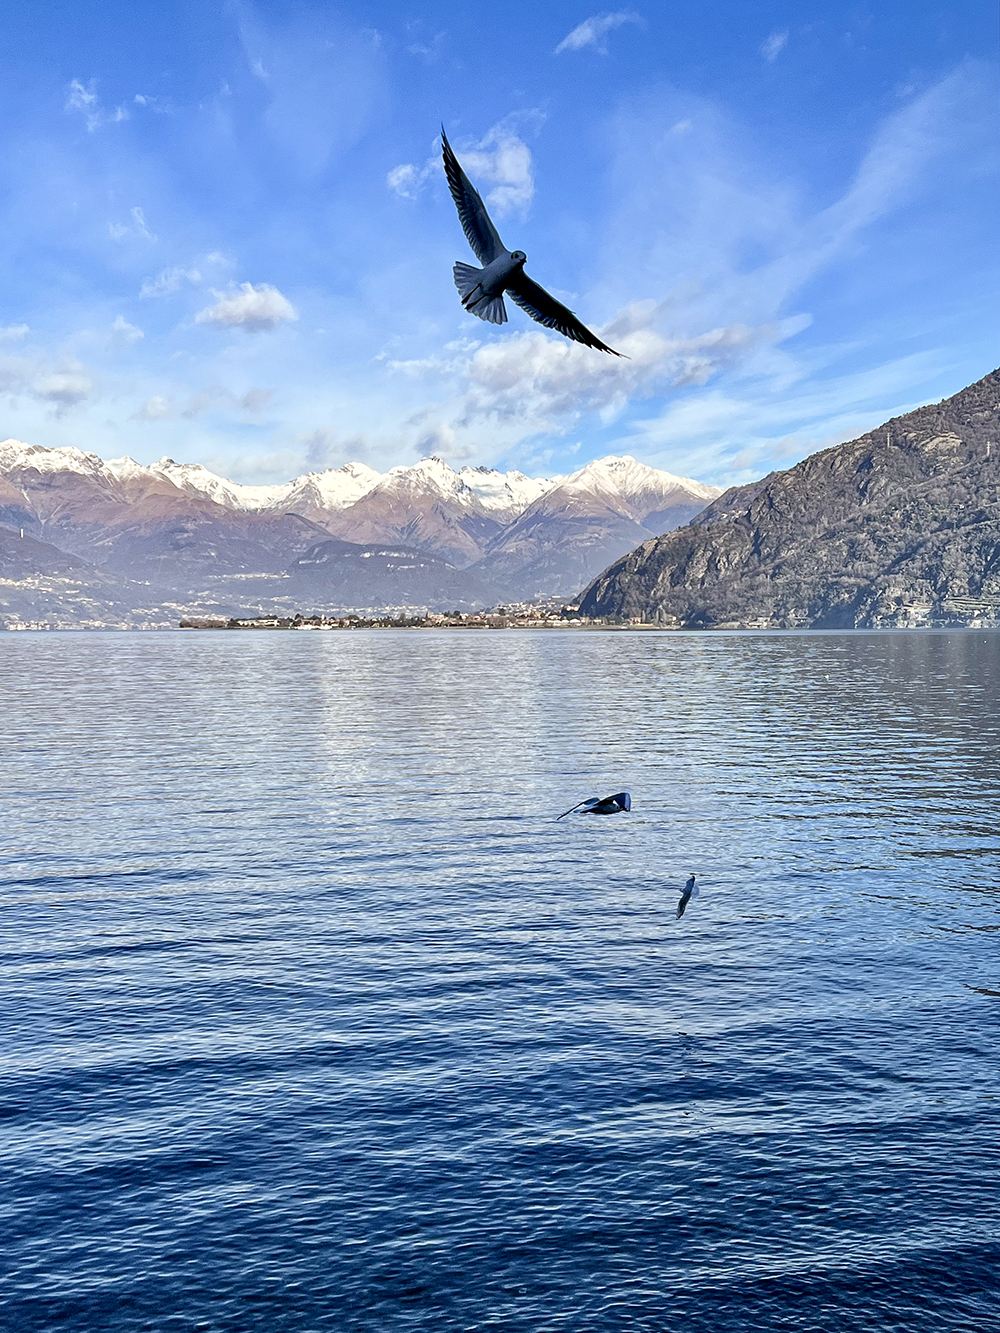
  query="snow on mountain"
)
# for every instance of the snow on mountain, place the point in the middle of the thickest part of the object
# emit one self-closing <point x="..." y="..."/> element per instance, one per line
<point x="193" y="479"/>
<point x="529" y="536"/>
<point x="335" y="488"/>
<point x="625" y="480"/>
<point x="479" y="488"/>
<point x="434" y="508"/>
<point x="505" y="493"/>
<point x="15" y="455"/>
<point x="585" y="521"/>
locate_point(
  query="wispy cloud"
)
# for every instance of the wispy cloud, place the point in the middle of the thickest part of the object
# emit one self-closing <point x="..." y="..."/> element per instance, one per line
<point x="135" y="227"/>
<point x="774" y="45"/>
<point x="214" y="398"/>
<point x="83" y="98"/>
<point x="324" y="81"/>
<point x="735" y="432"/>
<point x="170" y="280"/>
<point x="594" y="31"/>
<point x="722" y="206"/>
<point x="325" y="448"/>
<point x="253" y="309"/>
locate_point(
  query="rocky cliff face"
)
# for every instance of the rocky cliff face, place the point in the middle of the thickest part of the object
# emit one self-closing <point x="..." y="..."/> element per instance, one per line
<point x="900" y="527"/>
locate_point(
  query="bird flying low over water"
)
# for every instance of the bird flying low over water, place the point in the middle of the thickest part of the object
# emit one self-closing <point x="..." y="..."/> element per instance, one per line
<point x="600" y="805"/>
<point x="482" y="289"/>
<point x="690" y="891"/>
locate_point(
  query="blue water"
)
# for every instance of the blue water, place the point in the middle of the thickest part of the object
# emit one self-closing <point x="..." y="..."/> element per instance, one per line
<point x="315" y="1019"/>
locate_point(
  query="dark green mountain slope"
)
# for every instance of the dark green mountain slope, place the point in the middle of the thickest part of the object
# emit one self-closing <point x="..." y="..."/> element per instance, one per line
<point x="900" y="527"/>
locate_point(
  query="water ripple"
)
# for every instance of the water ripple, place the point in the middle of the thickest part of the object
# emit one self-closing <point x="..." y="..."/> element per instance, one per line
<point x="318" y="1020"/>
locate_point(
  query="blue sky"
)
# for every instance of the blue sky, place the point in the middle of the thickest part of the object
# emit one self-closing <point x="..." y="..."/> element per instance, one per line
<point x="227" y="237"/>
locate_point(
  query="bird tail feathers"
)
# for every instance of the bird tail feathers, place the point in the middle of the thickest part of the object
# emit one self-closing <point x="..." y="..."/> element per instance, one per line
<point x="466" y="279"/>
<point x="490" y="308"/>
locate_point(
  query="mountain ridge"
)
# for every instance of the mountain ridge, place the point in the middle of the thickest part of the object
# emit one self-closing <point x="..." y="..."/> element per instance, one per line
<point x="898" y="527"/>
<point x="176" y="525"/>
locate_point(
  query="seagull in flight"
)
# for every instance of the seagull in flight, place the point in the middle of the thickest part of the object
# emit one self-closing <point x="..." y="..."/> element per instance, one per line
<point x="690" y="891"/>
<point x="482" y="289"/>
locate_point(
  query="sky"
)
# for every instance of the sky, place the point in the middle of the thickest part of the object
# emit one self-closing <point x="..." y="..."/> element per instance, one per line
<point x="228" y="239"/>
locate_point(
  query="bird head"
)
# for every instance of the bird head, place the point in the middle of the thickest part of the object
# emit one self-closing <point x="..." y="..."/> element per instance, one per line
<point x="518" y="256"/>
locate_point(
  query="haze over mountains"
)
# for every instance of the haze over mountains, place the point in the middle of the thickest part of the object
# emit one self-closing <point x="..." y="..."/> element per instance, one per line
<point x="900" y="527"/>
<point x="175" y="537"/>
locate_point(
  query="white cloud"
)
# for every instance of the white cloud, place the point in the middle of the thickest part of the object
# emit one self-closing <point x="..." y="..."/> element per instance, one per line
<point x="406" y="180"/>
<point x="169" y="281"/>
<point x="533" y="382"/>
<point x="774" y="45"/>
<point x="253" y="309"/>
<point x="500" y="159"/>
<point x="66" y="389"/>
<point x="503" y="160"/>
<point x="85" y="100"/>
<point x="156" y="408"/>
<point x="124" y="334"/>
<point x="120" y="231"/>
<point x="13" y="333"/>
<point x="594" y="31"/>
<point x="62" y="384"/>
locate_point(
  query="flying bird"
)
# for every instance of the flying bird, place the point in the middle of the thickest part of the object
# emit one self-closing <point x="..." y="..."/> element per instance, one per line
<point x="690" y="891"/>
<point x="600" y="805"/>
<point x="482" y="289"/>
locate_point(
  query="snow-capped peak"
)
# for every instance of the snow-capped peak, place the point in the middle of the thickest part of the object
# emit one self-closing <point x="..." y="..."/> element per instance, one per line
<point x="506" y="492"/>
<point x="334" y="488"/>
<point x="66" y="458"/>
<point x="127" y="469"/>
<point x="623" y="476"/>
<point x="194" y="479"/>
<point x="429" y="474"/>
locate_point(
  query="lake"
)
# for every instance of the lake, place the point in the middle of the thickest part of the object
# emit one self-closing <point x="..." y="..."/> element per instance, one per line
<point x="317" y="1019"/>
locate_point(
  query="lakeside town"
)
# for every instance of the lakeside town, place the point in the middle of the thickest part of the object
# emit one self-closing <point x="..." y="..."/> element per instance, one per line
<point x="517" y="616"/>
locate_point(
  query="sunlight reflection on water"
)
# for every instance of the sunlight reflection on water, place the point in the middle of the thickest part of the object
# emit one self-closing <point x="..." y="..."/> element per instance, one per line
<point x="319" y="1020"/>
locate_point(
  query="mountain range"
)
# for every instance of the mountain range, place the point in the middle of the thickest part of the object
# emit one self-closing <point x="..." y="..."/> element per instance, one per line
<point x="898" y="528"/>
<point x="78" y="530"/>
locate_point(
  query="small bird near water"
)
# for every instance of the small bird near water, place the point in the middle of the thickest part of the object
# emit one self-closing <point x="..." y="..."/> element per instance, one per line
<point x="600" y="805"/>
<point x="689" y="891"/>
<point x="482" y="289"/>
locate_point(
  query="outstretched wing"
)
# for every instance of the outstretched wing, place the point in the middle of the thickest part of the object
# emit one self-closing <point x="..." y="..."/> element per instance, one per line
<point x="476" y="222"/>
<point x="552" y="313"/>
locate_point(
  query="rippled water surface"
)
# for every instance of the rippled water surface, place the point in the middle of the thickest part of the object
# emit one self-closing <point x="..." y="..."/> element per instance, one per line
<point x="316" y="1019"/>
